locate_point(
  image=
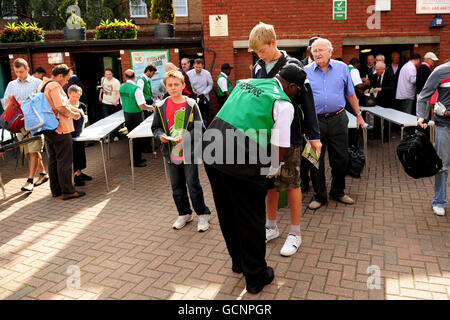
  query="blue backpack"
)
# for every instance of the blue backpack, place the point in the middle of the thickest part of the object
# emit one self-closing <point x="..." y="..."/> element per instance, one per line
<point x="38" y="114"/>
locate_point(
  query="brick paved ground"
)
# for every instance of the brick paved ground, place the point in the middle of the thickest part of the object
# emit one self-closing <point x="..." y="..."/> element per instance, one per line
<point x="124" y="246"/>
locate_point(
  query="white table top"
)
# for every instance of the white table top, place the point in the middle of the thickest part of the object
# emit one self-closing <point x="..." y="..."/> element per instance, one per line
<point x="395" y="116"/>
<point x="101" y="128"/>
<point x="6" y="135"/>
<point x="352" y="121"/>
<point x="143" y="130"/>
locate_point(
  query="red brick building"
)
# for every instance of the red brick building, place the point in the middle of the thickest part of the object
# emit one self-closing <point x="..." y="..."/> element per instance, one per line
<point x="399" y="29"/>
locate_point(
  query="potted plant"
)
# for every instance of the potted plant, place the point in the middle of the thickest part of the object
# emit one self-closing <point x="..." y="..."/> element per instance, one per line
<point x="163" y="12"/>
<point x="75" y="26"/>
<point x="22" y="32"/>
<point x="116" y="29"/>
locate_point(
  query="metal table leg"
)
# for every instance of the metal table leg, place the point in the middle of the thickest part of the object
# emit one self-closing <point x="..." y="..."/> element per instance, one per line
<point x="3" y="186"/>
<point x="131" y="161"/>
<point x="104" y="165"/>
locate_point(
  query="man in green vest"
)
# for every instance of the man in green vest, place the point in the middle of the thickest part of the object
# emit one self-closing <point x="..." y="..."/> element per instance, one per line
<point x="256" y="116"/>
<point x="133" y="102"/>
<point x="145" y="83"/>
<point x="224" y="86"/>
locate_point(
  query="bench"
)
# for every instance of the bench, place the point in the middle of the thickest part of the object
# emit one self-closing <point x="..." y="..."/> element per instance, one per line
<point x="100" y="130"/>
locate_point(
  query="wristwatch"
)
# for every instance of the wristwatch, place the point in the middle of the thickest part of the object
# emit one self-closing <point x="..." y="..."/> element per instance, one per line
<point x="360" y="113"/>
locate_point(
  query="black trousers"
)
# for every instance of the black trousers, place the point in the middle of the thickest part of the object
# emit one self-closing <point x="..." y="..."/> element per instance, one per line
<point x="241" y="209"/>
<point x="221" y="100"/>
<point x="59" y="149"/>
<point x="132" y="120"/>
<point x="203" y="104"/>
<point x="334" y="136"/>
<point x="79" y="155"/>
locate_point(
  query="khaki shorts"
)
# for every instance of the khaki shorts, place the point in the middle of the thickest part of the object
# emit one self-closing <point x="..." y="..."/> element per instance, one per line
<point x="290" y="171"/>
<point x="33" y="146"/>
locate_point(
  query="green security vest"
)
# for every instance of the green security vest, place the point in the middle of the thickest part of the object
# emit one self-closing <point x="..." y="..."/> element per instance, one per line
<point x="129" y="103"/>
<point x="147" y="88"/>
<point x="250" y="106"/>
<point x="229" y="86"/>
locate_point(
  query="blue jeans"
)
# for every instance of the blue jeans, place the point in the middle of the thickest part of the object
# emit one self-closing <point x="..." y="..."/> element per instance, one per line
<point x="440" y="179"/>
<point x="180" y="175"/>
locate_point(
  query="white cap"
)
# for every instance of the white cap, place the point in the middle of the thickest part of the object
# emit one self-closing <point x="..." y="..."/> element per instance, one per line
<point x="431" y="55"/>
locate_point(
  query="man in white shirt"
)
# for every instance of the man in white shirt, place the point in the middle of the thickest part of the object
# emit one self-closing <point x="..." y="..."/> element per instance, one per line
<point x="133" y="102"/>
<point x="406" y="87"/>
<point x="202" y="84"/>
<point x="109" y="96"/>
<point x="23" y="88"/>
<point x="224" y="86"/>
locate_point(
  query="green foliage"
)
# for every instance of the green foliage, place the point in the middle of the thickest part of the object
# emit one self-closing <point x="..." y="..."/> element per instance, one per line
<point x="62" y="9"/>
<point x="116" y="29"/>
<point x="163" y="11"/>
<point x="21" y="32"/>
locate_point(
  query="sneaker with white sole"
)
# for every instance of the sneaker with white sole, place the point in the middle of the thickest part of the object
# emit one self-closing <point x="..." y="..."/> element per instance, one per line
<point x="272" y="233"/>
<point x="42" y="179"/>
<point x="182" y="220"/>
<point x="291" y="245"/>
<point x="439" y="211"/>
<point x="28" y="186"/>
<point x="203" y="222"/>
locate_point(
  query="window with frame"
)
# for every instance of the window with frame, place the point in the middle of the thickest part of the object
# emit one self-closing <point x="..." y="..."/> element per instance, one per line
<point x="181" y="8"/>
<point x="138" y="9"/>
<point x="9" y="12"/>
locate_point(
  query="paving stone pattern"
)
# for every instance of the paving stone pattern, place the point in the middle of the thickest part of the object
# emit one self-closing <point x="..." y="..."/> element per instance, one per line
<point x="123" y="245"/>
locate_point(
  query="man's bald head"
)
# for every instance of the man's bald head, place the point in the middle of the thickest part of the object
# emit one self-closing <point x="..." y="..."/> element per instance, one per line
<point x="170" y="66"/>
<point x="129" y="74"/>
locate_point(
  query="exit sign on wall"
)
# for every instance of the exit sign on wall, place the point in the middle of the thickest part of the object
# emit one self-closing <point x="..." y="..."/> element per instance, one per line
<point x="339" y="9"/>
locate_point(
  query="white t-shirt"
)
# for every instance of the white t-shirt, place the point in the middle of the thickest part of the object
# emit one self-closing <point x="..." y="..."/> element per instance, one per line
<point x="356" y="78"/>
<point x="283" y="114"/>
<point x="110" y="90"/>
<point x="222" y="82"/>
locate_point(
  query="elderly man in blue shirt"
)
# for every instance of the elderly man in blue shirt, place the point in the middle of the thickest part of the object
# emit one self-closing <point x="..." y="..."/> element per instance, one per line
<point x="332" y="85"/>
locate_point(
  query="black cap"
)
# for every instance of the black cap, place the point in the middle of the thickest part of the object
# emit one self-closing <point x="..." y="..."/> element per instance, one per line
<point x="293" y="73"/>
<point x="226" y="66"/>
<point x="311" y="41"/>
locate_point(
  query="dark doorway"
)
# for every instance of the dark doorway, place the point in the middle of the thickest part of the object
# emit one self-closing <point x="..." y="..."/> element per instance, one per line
<point x="5" y="77"/>
<point x="386" y="50"/>
<point x="90" y="69"/>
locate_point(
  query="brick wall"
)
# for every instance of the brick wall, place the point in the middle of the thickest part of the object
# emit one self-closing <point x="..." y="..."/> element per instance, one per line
<point x="38" y="60"/>
<point x="312" y="18"/>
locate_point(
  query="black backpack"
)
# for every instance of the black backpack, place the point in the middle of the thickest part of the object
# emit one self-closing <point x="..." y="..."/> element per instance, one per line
<point x="356" y="157"/>
<point x="418" y="156"/>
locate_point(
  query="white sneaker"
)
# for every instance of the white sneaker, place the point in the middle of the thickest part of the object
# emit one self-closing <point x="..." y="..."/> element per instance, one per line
<point x="439" y="211"/>
<point x="116" y="139"/>
<point x="272" y="233"/>
<point x="182" y="220"/>
<point x="291" y="245"/>
<point x="203" y="222"/>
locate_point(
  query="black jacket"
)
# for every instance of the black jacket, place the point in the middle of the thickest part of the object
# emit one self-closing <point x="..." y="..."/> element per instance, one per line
<point x="160" y="126"/>
<point x="385" y="97"/>
<point x="305" y="118"/>
<point x="423" y="72"/>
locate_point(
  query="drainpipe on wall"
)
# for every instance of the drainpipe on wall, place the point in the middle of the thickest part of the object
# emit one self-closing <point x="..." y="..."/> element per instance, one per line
<point x="30" y="63"/>
<point x="210" y="50"/>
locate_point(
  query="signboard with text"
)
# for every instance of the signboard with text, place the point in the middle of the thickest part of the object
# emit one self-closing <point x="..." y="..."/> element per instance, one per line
<point x="140" y="59"/>
<point x="432" y="6"/>
<point x="339" y="9"/>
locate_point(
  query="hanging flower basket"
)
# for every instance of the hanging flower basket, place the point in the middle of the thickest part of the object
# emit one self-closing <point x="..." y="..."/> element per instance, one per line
<point x="22" y="32"/>
<point x="116" y="29"/>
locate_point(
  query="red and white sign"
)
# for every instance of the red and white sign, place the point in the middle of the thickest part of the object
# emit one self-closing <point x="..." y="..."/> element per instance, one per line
<point x="432" y="6"/>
